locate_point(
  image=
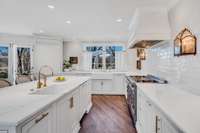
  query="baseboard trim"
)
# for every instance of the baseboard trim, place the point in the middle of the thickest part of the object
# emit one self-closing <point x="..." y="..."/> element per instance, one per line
<point x="108" y="95"/>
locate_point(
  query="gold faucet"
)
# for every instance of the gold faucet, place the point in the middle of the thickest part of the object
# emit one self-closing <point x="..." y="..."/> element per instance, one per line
<point x="39" y="83"/>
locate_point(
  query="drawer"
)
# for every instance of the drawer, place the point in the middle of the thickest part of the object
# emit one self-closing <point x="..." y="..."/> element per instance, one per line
<point x="3" y="131"/>
<point x="102" y="76"/>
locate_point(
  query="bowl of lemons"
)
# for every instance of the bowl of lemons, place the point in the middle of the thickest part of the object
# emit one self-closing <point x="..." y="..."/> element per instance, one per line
<point x="60" y="78"/>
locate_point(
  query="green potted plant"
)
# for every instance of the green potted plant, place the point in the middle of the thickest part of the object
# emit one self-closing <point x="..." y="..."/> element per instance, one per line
<point x="67" y="65"/>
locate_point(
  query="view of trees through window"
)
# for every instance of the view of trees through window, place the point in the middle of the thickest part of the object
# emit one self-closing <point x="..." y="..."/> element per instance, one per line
<point x="110" y="57"/>
<point x="103" y="57"/>
<point x="23" y="61"/>
<point x="97" y="58"/>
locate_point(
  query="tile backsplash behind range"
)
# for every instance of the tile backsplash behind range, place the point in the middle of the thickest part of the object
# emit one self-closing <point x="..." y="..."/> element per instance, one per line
<point x="183" y="71"/>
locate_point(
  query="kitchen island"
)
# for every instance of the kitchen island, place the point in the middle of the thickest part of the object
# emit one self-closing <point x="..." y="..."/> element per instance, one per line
<point x="57" y="108"/>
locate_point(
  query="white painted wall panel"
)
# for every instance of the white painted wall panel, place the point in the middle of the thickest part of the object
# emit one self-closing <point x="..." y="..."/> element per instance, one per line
<point x="47" y="53"/>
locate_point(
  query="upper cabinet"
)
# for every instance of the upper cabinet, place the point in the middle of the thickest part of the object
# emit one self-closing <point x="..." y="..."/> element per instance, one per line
<point x="149" y="24"/>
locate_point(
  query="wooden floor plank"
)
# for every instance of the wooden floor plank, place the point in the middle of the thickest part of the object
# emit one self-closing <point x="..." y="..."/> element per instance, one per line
<point x="109" y="114"/>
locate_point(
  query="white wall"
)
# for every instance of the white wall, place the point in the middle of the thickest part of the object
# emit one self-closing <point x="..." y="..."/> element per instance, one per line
<point x="131" y="55"/>
<point x="183" y="71"/>
<point x="47" y="50"/>
<point x="73" y="49"/>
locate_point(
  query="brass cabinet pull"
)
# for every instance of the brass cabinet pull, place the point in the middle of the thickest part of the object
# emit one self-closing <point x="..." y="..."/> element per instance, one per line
<point x="41" y="118"/>
<point x="157" y="120"/>
<point x="71" y="102"/>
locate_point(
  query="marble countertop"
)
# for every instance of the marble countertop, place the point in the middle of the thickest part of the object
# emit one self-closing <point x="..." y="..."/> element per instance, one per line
<point x="18" y="104"/>
<point x="181" y="107"/>
<point x="95" y="72"/>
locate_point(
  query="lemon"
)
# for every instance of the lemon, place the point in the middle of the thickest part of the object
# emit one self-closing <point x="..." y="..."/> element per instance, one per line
<point x="62" y="78"/>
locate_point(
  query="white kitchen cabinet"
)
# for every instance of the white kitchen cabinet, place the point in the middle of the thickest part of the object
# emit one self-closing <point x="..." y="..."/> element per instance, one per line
<point x="165" y="126"/>
<point x="85" y="99"/>
<point x="41" y="123"/>
<point x="119" y="84"/>
<point x="4" y="131"/>
<point x="113" y="84"/>
<point x="67" y="113"/>
<point x="102" y="86"/>
<point x="146" y="115"/>
<point x="150" y="119"/>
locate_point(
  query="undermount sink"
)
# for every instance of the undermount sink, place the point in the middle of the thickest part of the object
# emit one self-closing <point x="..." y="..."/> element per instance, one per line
<point x="52" y="90"/>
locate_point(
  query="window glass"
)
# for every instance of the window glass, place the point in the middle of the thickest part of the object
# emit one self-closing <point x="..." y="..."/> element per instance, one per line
<point x="110" y="57"/>
<point x="97" y="57"/>
<point x="104" y="57"/>
<point x="3" y="62"/>
<point x="23" y="61"/>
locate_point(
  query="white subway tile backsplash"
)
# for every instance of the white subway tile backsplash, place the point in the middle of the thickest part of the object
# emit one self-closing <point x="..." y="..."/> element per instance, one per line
<point x="183" y="71"/>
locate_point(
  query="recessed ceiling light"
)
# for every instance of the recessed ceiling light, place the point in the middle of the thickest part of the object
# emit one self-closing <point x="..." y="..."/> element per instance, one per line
<point x="51" y="6"/>
<point x="41" y="31"/>
<point x="119" y="20"/>
<point x="68" y="22"/>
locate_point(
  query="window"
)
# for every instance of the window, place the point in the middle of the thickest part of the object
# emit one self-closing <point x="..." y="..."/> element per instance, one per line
<point x="4" y="61"/>
<point x="104" y="57"/>
<point x="23" y="61"/>
<point x="97" y="57"/>
<point x="110" y="57"/>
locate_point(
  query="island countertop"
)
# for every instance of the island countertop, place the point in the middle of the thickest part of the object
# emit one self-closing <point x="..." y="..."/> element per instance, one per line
<point x="17" y="103"/>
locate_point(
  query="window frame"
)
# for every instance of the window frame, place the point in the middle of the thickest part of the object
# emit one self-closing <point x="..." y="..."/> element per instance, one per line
<point x="104" y="52"/>
<point x="8" y="45"/>
<point x="15" y="60"/>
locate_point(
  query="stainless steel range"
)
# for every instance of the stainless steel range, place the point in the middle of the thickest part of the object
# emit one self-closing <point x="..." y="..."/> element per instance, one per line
<point x="132" y="90"/>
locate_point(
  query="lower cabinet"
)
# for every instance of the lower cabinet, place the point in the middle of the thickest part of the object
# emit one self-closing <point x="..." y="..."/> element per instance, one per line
<point x="68" y="113"/>
<point x="164" y="126"/>
<point x="108" y="84"/>
<point x="102" y="86"/>
<point x="71" y="108"/>
<point x="119" y="84"/>
<point x="85" y="99"/>
<point x="61" y="117"/>
<point x="41" y="123"/>
<point x="150" y="119"/>
<point x="145" y="115"/>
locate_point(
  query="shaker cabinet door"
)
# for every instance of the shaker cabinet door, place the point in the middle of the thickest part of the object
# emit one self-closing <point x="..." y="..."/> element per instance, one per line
<point x="166" y="127"/>
<point x="62" y="116"/>
<point x="68" y="113"/>
<point x="41" y="124"/>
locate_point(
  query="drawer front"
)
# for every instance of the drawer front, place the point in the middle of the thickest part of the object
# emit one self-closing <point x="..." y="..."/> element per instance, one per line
<point x="3" y="131"/>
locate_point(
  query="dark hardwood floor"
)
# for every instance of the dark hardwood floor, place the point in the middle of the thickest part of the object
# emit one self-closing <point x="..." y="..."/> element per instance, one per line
<point x="109" y="114"/>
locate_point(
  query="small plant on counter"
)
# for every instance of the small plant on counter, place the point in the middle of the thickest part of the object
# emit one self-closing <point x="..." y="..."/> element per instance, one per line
<point x="67" y="65"/>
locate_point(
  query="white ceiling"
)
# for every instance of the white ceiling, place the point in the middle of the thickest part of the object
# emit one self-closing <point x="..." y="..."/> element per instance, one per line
<point x="90" y="19"/>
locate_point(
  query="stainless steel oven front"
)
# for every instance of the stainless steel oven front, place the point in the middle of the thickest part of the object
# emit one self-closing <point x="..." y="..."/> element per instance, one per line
<point x="132" y="100"/>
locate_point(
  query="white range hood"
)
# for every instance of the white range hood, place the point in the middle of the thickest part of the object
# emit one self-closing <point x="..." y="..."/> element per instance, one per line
<point x="150" y="25"/>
